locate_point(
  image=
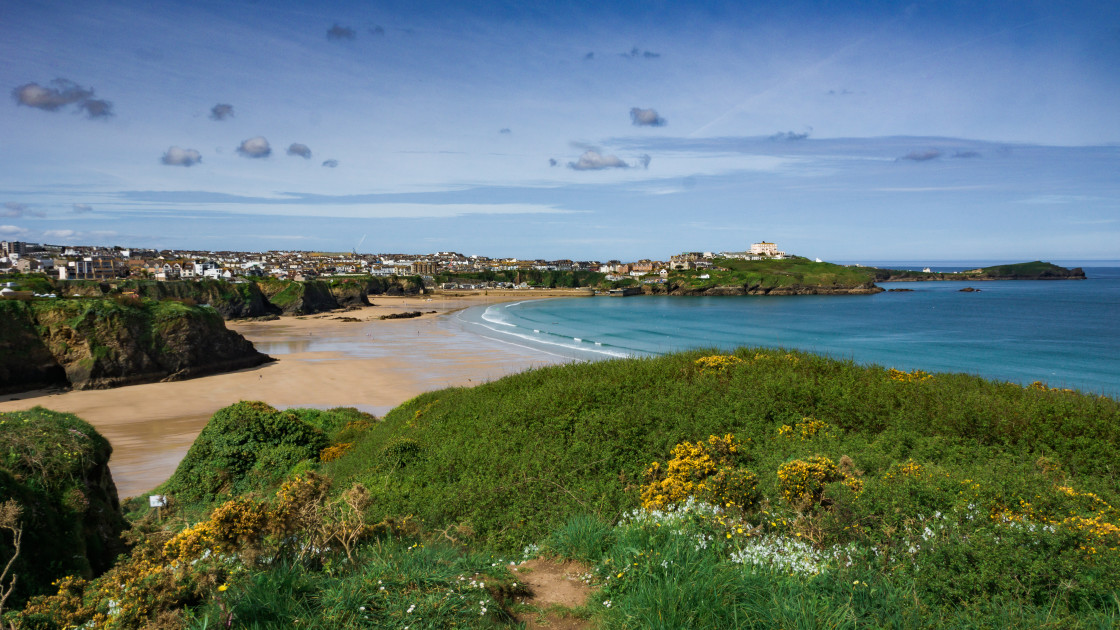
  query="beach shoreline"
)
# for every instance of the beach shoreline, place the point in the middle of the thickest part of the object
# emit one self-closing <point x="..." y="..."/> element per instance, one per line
<point x="348" y="358"/>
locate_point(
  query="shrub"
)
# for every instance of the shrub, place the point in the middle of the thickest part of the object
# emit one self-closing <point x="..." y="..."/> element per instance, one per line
<point x="705" y="470"/>
<point x="243" y="447"/>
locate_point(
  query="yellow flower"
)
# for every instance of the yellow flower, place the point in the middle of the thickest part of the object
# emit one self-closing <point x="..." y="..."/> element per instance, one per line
<point x="223" y="587"/>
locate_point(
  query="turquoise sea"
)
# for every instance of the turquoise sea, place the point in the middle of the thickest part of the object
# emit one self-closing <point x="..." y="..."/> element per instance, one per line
<point x="1065" y="333"/>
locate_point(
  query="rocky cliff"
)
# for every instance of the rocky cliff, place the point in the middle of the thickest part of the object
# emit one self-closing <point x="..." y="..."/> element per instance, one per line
<point x="99" y="343"/>
<point x="299" y="298"/>
<point x="57" y="471"/>
<point x="230" y="299"/>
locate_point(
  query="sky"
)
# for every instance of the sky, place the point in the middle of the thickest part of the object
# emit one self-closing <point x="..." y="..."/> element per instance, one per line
<point x="939" y="131"/>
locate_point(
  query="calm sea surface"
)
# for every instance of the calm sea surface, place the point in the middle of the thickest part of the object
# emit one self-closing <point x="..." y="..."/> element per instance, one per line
<point x="1063" y="332"/>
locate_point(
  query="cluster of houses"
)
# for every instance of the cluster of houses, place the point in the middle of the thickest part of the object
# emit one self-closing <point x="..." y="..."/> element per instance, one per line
<point x="100" y="263"/>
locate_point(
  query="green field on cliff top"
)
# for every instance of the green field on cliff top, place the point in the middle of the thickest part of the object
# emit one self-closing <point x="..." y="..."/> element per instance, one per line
<point x="759" y="489"/>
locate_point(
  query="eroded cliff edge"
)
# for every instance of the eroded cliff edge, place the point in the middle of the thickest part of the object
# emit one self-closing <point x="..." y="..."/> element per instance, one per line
<point x="101" y="343"/>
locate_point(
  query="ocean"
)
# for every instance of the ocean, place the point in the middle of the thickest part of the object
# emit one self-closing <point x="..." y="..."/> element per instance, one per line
<point x="1065" y="333"/>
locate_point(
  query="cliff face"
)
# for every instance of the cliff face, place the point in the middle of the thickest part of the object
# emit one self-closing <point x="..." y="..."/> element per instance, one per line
<point x="99" y="343"/>
<point x="300" y="298"/>
<point x="260" y="298"/>
<point x="231" y="299"/>
<point x="58" y="473"/>
<point x="350" y="292"/>
<point x="25" y="361"/>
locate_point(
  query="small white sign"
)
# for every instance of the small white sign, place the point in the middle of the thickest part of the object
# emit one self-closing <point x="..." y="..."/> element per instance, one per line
<point x="157" y="500"/>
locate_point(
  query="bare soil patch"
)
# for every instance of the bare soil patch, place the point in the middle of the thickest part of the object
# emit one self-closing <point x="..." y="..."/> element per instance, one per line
<point x="554" y="587"/>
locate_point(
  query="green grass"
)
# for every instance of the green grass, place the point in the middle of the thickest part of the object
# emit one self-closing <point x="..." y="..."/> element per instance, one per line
<point x="515" y="458"/>
<point x="964" y="502"/>
<point x="397" y="583"/>
<point x="785" y="272"/>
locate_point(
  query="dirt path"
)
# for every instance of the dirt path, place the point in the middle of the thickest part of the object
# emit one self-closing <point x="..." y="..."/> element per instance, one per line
<point x="555" y="588"/>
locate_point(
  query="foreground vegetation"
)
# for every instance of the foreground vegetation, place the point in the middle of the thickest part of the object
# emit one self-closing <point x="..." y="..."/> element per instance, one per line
<point x="761" y="489"/>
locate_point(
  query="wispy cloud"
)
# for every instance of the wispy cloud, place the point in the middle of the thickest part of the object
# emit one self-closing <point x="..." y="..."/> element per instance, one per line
<point x="339" y="32"/>
<point x="592" y="160"/>
<point x="221" y="111"/>
<point x="1058" y="199"/>
<point x="505" y="130"/>
<point x="922" y="156"/>
<point x="12" y="230"/>
<point x="644" y="160"/>
<point x="176" y="156"/>
<point x="646" y="117"/>
<point x="377" y="30"/>
<point x="330" y="163"/>
<point x="299" y="149"/>
<point x="966" y="154"/>
<point x="60" y="93"/>
<point x="255" y="147"/>
<point x="15" y="210"/>
<point x="81" y="208"/>
<point x="77" y="236"/>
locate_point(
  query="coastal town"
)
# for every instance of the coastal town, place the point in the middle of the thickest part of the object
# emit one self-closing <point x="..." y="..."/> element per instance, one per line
<point x="76" y="262"/>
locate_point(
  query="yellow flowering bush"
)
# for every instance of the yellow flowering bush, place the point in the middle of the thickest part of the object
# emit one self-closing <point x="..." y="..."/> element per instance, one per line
<point x="762" y="356"/>
<point x="802" y="482"/>
<point x="704" y="470"/>
<point x="1043" y="387"/>
<point x="335" y="451"/>
<point x="914" y="376"/>
<point x="806" y="429"/>
<point x="909" y="468"/>
<point x="717" y="363"/>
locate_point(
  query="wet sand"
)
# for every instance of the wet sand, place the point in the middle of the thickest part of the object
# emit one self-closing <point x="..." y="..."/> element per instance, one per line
<point x="322" y="361"/>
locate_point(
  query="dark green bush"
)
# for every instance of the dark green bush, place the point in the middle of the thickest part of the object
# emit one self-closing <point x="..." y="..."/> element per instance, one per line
<point x="243" y="447"/>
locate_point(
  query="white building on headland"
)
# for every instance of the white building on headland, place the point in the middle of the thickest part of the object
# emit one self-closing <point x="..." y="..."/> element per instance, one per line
<point x="770" y="250"/>
<point x="758" y="251"/>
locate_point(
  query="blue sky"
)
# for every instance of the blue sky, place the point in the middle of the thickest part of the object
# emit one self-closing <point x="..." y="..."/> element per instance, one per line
<point x="586" y="130"/>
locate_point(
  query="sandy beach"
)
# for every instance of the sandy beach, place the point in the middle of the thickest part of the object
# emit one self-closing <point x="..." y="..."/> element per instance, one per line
<point x="339" y="359"/>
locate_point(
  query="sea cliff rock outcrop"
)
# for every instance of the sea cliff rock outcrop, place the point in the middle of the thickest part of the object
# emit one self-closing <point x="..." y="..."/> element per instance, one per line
<point x="232" y="300"/>
<point x="300" y="298"/>
<point x="57" y="471"/>
<point x="100" y="343"/>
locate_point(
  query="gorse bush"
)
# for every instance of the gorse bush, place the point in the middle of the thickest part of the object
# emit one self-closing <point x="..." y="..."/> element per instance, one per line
<point x="708" y="471"/>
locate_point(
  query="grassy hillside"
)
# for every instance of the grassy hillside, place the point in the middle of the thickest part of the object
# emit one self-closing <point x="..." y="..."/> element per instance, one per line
<point x="761" y="489"/>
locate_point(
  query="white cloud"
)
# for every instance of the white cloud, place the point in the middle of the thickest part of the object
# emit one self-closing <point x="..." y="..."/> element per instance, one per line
<point x="12" y="230"/>
<point x="82" y="207"/>
<point x="181" y="157"/>
<point x="302" y="150"/>
<point x="592" y="160"/>
<point x="646" y="117"/>
<point x="60" y="93"/>
<point x="256" y="147"/>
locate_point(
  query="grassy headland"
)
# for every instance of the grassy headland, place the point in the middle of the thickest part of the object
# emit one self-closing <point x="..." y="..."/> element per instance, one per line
<point x="761" y="489"/>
